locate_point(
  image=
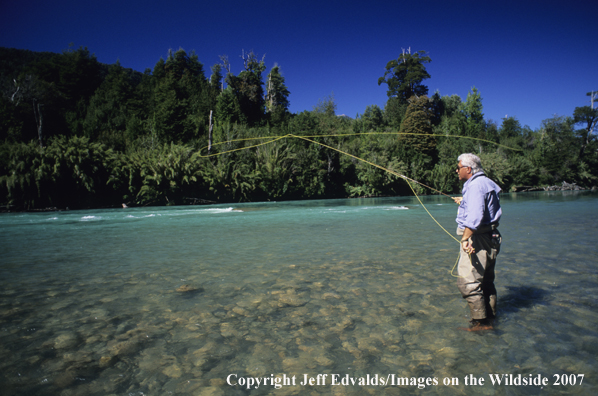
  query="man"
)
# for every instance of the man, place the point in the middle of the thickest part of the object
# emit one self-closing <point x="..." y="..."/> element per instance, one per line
<point x="477" y="219"/>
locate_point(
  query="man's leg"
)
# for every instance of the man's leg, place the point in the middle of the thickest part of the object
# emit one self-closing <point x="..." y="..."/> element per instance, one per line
<point x="476" y="278"/>
<point x="492" y="248"/>
<point x="489" y="290"/>
<point x="471" y="274"/>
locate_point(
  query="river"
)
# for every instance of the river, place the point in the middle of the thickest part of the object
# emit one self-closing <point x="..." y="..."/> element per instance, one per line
<point x="340" y="297"/>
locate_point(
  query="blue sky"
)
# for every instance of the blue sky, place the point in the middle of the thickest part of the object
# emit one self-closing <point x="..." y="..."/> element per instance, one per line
<point x="528" y="59"/>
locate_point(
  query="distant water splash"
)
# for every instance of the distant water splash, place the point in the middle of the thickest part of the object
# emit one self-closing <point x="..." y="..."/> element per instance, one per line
<point x="361" y="208"/>
<point x="115" y="214"/>
<point x="140" y="217"/>
<point x="174" y="300"/>
<point x="87" y="218"/>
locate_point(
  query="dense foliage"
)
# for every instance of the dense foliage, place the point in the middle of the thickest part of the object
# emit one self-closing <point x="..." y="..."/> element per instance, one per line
<point x="77" y="133"/>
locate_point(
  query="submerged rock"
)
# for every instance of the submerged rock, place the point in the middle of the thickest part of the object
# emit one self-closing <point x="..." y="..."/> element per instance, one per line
<point x="65" y="341"/>
<point x="290" y="298"/>
<point x="65" y="379"/>
<point x="211" y="391"/>
<point x="106" y="361"/>
<point x="128" y="347"/>
<point x="186" y="289"/>
<point x="173" y="371"/>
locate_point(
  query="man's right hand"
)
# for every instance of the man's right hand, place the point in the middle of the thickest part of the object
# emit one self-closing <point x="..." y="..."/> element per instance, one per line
<point x="458" y="200"/>
<point x="467" y="247"/>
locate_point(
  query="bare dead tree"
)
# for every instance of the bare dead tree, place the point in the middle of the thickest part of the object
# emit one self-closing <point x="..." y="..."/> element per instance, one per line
<point x="39" y="120"/>
<point x="225" y="63"/>
<point x="16" y="94"/>
<point x="25" y="89"/>
<point x="245" y="59"/>
<point x="249" y="57"/>
<point x="593" y="95"/>
<point x="269" y="96"/>
<point x="210" y="134"/>
<point x="408" y="51"/>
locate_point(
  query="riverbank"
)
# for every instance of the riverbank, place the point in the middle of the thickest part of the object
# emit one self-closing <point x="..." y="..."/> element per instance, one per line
<point x="203" y="202"/>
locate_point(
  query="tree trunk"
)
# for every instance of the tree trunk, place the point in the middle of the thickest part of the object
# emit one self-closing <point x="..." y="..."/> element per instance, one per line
<point x="270" y="90"/>
<point x="210" y="134"/>
<point x="39" y="119"/>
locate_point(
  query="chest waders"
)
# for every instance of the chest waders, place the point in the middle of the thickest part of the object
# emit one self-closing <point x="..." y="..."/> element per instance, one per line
<point x="476" y="272"/>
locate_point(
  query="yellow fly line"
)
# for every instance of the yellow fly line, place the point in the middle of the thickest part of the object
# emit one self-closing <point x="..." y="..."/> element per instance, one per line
<point x="290" y="135"/>
<point x="309" y="138"/>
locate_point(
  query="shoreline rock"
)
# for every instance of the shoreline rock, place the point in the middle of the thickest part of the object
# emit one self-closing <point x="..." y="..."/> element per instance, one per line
<point x="563" y="187"/>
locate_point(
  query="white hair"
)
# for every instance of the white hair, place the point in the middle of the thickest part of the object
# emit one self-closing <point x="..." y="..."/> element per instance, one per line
<point x="472" y="161"/>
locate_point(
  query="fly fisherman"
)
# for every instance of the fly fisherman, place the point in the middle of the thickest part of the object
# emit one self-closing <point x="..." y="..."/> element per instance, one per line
<point x="477" y="219"/>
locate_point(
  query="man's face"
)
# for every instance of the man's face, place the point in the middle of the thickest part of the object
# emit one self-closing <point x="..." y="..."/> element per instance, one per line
<point x="464" y="172"/>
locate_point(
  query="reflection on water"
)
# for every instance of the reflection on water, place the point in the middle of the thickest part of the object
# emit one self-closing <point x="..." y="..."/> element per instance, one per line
<point x="158" y="301"/>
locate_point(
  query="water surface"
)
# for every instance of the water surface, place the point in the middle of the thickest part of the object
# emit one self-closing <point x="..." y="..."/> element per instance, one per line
<point x="155" y="301"/>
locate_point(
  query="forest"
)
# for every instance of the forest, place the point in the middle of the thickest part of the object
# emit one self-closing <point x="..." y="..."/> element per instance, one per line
<point x="76" y="133"/>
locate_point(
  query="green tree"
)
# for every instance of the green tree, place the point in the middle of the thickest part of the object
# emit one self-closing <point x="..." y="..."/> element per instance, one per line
<point x="277" y="96"/>
<point x="555" y="152"/>
<point x="509" y="129"/>
<point x="23" y="101"/>
<point x="75" y="74"/>
<point x="372" y="119"/>
<point x="511" y="133"/>
<point x="449" y="105"/>
<point x="417" y="125"/>
<point x="216" y="77"/>
<point x="443" y="178"/>
<point x="216" y="84"/>
<point x="326" y="106"/>
<point x="587" y="116"/>
<point x="248" y="88"/>
<point x="108" y="110"/>
<point x="141" y="107"/>
<point x="368" y="180"/>
<point x="497" y="168"/>
<point x="303" y="123"/>
<point x="171" y="112"/>
<point x="523" y="171"/>
<point x="228" y="109"/>
<point x="181" y="107"/>
<point x="473" y="111"/>
<point x="404" y="76"/>
<point x="394" y="111"/>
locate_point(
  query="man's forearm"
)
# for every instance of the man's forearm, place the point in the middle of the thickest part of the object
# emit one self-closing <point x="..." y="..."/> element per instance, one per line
<point x="465" y="244"/>
<point x="467" y="233"/>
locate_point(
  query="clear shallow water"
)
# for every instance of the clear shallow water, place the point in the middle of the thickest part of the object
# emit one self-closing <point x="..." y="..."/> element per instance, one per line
<point x="158" y="301"/>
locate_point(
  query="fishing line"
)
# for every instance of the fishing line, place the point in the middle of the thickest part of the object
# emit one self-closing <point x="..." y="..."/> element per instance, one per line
<point x="408" y="180"/>
<point x="309" y="138"/>
<point x="275" y="138"/>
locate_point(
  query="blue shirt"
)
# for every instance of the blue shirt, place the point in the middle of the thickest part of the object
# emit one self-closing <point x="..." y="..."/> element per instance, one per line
<point x="480" y="205"/>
